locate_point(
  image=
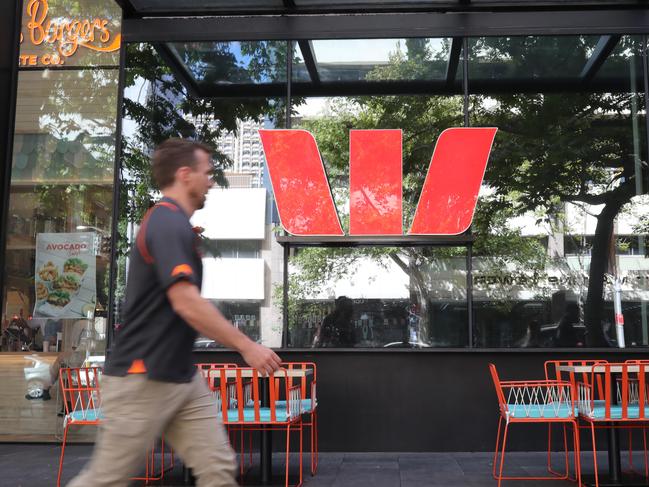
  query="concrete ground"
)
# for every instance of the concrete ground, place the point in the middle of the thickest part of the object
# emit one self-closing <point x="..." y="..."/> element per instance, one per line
<point x="35" y="465"/>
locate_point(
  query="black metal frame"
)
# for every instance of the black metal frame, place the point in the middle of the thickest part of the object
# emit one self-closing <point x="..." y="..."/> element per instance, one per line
<point x="7" y="154"/>
<point x="611" y="24"/>
<point x="398" y="25"/>
<point x="453" y="6"/>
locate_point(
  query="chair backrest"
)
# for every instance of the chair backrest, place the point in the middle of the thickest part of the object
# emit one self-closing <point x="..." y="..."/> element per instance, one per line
<point x="304" y="381"/>
<point x="247" y="395"/>
<point x="206" y="368"/>
<point x="80" y="391"/>
<point x="552" y="372"/>
<point x="630" y="379"/>
<point x="499" y="390"/>
<point x="534" y="400"/>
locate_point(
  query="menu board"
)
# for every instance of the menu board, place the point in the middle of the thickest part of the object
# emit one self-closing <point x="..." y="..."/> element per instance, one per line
<point x="64" y="281"/>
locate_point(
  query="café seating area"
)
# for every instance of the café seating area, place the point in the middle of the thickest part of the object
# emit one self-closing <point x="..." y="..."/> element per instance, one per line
<point x="577" y="396"/>
<point x="246" y="402"/>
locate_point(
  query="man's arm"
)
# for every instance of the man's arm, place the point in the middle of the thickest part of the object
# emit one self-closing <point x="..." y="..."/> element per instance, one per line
<point x="187" y="302"/>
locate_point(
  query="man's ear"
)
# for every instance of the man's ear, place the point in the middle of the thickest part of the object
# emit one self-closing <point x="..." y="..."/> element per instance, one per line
<point x="183" y="173"/>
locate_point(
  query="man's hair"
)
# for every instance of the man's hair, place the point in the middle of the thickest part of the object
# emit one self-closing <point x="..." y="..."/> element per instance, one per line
<point x="171" y="155"/>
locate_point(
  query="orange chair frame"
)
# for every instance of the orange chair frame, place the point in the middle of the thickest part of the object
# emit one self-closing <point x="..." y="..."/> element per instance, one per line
<point x="552" y="372"/>
<point x="247" y="390"/>
<point x="87" y="397"/>
<point x="507" y="419"/>
<point x="586" y="399"/>
<point x="313" y="414"/>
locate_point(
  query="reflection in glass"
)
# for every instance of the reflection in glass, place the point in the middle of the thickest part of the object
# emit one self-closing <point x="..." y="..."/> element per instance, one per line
<point x="160" y="102"/>
<point x="409" y="297"/>
<point x="375" y="59"/>
<point x="567" y="177"/>
<point x="227" y="63"/>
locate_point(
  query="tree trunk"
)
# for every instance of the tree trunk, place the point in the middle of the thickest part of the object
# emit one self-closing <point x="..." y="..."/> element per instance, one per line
<point x="594" y="308"/>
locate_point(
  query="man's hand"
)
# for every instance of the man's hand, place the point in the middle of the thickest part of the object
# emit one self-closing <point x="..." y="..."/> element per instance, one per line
<point x="261" y="358"/>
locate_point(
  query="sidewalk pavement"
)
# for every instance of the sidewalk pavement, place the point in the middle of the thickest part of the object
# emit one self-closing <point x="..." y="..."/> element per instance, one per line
<point x="35" y="465"/>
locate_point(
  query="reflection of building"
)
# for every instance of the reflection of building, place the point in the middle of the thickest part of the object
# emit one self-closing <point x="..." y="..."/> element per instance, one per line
<point x="241" y="259"/>
<point x="245" y="151"/>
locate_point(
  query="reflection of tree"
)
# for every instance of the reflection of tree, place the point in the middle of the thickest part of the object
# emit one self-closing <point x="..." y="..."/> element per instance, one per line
<point x="161" y="107"/>
<point x="558" y="148"/>
<point x="422" y="118"/>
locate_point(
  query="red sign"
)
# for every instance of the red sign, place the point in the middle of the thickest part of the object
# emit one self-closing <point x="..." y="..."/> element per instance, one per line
<point x="446" y="204"/>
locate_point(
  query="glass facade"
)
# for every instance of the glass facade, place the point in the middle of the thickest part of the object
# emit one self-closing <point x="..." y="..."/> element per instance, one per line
<point x="57" y="253"/>
<point x="565" y="178"/>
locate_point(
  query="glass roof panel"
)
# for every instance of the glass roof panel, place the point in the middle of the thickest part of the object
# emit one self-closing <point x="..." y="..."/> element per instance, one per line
<point x="374" y="59"/>
<point x="228" y="63"/>
<point x="530" y="57"/>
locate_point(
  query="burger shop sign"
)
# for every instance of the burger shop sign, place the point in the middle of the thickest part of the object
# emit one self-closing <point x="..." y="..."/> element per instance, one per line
<point x="66" y="36"/>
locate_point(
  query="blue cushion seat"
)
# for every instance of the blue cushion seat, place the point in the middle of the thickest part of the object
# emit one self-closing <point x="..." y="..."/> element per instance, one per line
<point x="633" y="411"/>
<point x="306" y="405"/>
<point x="249" y="415"/>
<point x="87" y="415"/>
<point x="536" y="411"/>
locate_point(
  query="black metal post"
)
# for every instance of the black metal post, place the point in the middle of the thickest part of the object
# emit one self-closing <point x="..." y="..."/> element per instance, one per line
<point x="469" y="292"/>
<point x="114" y="235"/>
<point x="266" y="452"/>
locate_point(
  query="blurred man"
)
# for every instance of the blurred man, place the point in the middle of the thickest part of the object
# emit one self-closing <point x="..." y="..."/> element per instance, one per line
<point x="150" y="385"/>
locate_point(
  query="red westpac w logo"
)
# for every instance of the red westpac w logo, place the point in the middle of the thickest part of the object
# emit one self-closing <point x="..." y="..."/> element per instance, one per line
<point x="446" y="204"/>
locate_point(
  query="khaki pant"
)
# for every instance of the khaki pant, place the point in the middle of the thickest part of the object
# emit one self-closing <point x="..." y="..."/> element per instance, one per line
<point x="137" y="411"/>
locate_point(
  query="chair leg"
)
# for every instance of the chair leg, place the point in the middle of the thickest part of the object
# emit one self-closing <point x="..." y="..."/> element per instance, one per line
<point x="592" y="430"/>
<point x="288" y="448"/>
<point x="577" y="448"/>
<point x="502" y="455"/>
<point x="314" y="445"/>
<point x="495" y="462"/>
<point x="301" y="448"/>
<point x="65" y="437"/>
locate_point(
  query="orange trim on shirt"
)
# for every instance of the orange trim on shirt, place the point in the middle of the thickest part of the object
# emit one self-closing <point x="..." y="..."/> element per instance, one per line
<point x="141" y="236"/>
<point x="182" y="269"/>
<point x="168" y="205"/>
<point x="137" y="367"/>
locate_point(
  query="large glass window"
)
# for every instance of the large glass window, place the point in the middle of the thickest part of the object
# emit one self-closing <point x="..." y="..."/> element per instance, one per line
<point x="560" y="215"/>
<point x="221" y="93"/>
<point x="57" y="250"/>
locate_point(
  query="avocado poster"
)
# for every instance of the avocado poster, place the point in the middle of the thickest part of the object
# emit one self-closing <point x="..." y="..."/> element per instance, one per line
<point x="65" y="282"/>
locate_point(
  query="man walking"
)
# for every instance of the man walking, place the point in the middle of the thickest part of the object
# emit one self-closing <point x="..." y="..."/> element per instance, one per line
<point x="150" y="385"/>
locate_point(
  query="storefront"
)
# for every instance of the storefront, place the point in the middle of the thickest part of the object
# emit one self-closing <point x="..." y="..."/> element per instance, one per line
<point x="399" y="322"/>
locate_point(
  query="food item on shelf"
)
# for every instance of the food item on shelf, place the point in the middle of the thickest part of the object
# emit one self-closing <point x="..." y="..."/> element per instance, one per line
<point x="48" y="272"/>
<point x="59" y="298"/>
<point x="75" y="265"/>
<point x="41" y="291"/>
<point x="68" y="282"/>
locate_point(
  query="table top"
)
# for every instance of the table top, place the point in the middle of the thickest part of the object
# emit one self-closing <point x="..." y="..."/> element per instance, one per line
<point x="599" y="369"/>
<point x="247" y="373"/>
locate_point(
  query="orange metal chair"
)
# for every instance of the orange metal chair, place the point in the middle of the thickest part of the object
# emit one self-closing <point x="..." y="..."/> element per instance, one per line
<point x="622" y="405"/>
<point x="308" y="389"/>
<point x="634" y="391"/>
<point x="539" y="401"/>
<point x="82" y="401"/>
<point x="209" y="371"/>
<point x="552" y="372"/>
<point x="241" y="405"/>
